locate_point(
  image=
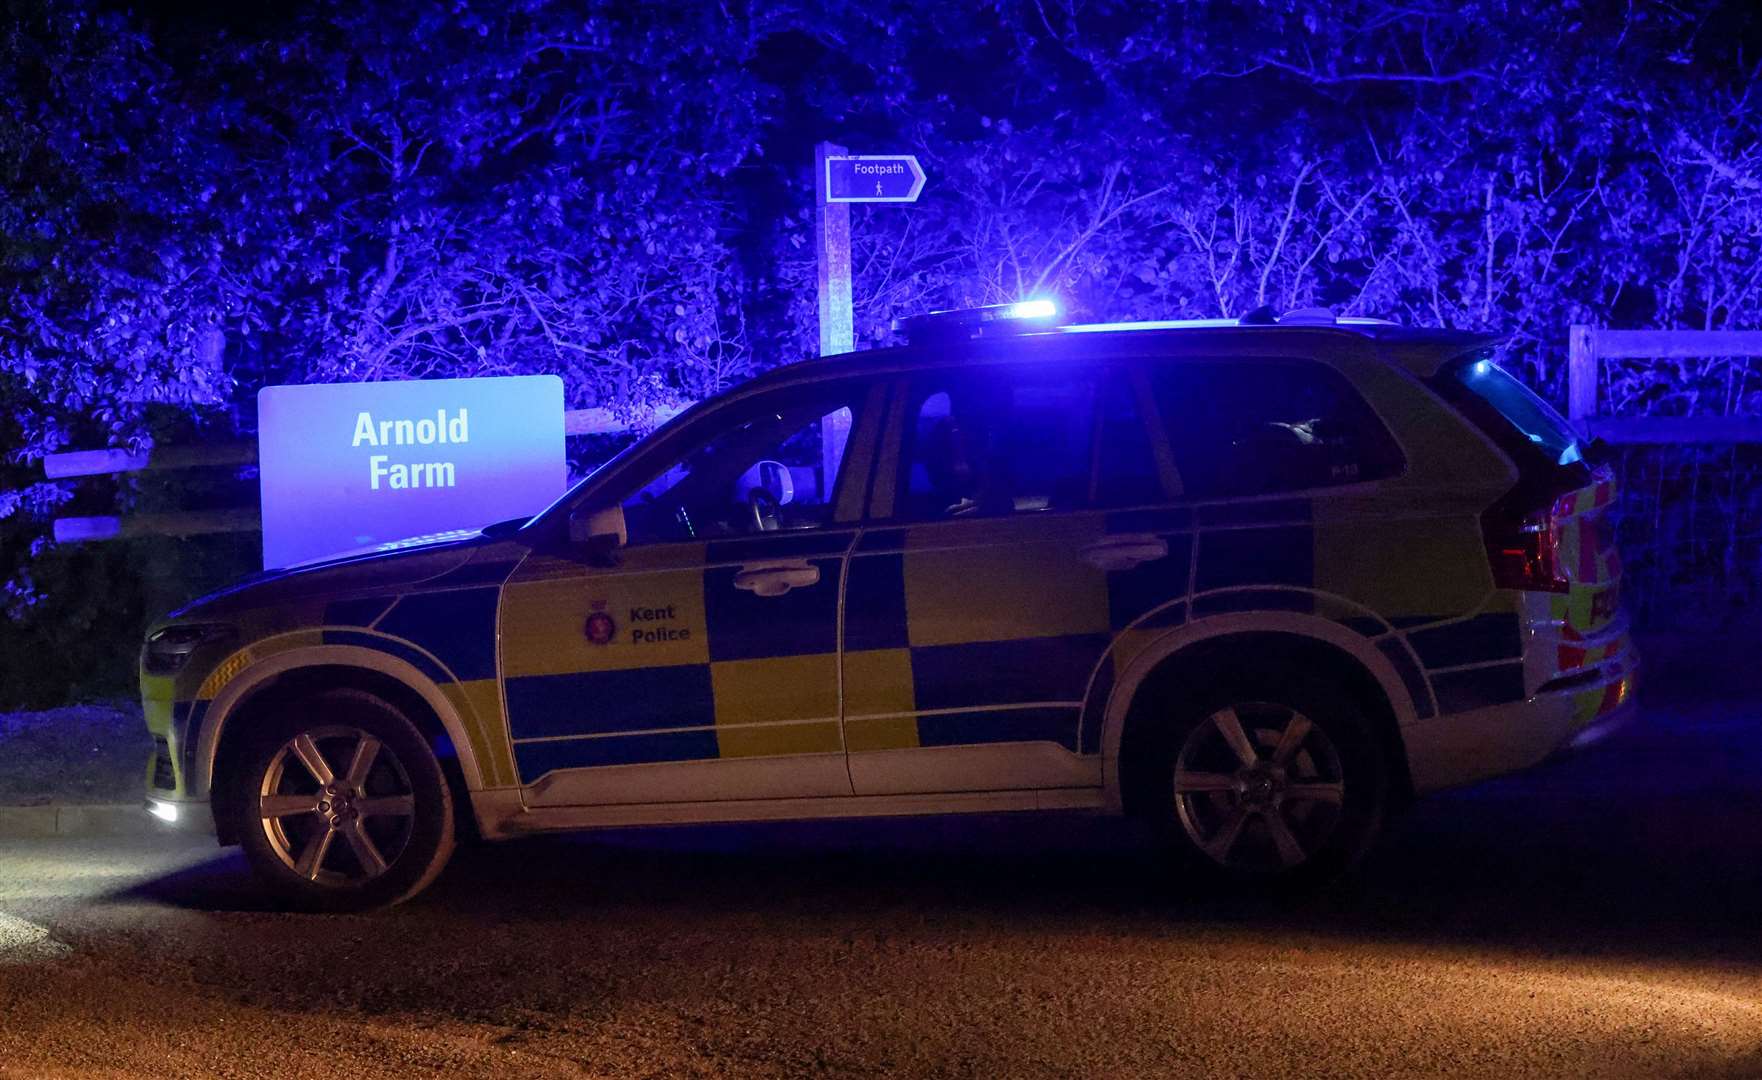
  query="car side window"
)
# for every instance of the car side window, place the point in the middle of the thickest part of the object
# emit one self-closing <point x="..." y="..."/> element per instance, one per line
<point x="993" y="441"/>
<point x="1125" y="464"/>
<point x="1254" y="427"/>
<point x="773" y="468"/>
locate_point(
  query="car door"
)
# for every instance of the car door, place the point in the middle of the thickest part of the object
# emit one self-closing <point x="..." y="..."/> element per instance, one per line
<point x="976" y="619"/>
<point x="698" y="660"/>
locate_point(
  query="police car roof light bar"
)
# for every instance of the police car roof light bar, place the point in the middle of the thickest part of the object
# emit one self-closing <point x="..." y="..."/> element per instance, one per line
<point x="1021" y="317"/>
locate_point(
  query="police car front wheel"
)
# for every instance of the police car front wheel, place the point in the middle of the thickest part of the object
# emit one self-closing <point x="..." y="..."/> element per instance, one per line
<point x="341" y="804"/>
<point x="1268" y="780"/>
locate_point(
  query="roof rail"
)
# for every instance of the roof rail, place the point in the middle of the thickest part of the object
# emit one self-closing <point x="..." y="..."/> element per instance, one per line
<point x="1264" y="315"/>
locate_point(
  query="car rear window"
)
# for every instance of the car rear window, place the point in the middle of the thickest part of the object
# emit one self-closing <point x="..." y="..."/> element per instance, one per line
<point x="1255" y="427"/>
<point x="1527" y="415"/>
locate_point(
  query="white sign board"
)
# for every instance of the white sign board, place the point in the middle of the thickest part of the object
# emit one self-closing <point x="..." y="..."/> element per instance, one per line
<point x="347" y="466"/>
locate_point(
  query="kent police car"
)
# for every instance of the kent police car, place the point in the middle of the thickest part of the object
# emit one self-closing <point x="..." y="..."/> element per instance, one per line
<point x="1255" y="582"/>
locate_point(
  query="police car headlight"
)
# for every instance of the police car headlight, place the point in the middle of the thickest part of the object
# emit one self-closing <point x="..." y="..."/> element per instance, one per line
<point x="170" y="648"/>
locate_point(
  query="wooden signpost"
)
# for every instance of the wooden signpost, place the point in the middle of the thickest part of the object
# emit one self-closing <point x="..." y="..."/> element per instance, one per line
<point x="840" y="179"/>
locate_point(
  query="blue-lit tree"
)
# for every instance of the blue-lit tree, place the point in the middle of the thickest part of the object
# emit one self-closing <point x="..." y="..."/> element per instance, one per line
<point x="621" y="194"/>
<point x="1488" y="165"/>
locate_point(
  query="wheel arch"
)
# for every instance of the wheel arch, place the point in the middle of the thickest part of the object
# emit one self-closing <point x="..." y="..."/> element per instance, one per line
<point x="394" y="680"/>
<point x="1276" y="639"/>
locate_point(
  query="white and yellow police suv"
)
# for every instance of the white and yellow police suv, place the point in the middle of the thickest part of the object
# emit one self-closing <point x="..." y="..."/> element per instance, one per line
<point x="1255" y="582"/>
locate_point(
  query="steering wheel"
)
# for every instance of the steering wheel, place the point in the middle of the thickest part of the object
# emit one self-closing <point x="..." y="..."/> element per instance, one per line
<point x="766" y="510"/>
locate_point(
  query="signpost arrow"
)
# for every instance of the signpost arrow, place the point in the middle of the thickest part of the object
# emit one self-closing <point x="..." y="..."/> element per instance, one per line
<point x="873" y="178"/>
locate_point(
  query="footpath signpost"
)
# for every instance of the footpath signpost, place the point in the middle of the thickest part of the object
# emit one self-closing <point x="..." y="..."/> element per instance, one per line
<point x="832" y="253"/>
<point x="841" y="178"/>
<point x="873" y="178"/>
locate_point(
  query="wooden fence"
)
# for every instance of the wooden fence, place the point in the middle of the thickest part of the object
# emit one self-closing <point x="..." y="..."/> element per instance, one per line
<point x="233" y="519"/>
<point x="1589" y="346"/>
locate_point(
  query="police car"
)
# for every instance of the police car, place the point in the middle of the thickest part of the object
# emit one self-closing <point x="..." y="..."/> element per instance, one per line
<point x="1255" y="582"/>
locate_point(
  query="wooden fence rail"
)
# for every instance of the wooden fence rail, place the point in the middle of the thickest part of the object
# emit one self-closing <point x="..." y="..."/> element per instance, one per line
<point x="78" y="463"/>
<point x="99" y="462"/>
<point x="1589" y="346"/>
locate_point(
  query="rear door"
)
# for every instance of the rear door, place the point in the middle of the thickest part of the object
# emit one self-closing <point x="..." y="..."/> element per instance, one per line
<point x="977" y="611"/>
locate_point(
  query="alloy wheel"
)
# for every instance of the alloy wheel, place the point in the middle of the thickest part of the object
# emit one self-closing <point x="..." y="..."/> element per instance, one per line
<point x="1258" y="787"/>
<point x="337" y="806"/>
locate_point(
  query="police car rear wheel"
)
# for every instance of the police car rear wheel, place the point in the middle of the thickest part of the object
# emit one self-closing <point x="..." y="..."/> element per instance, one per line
<point x="342" y="805"/>
<point x="1266" y="782"/>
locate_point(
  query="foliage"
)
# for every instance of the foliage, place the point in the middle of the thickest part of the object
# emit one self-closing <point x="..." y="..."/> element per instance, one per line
<point x="197" y="207"/>
<point x="1493" y="164"/>
<point x="193" y="211"/>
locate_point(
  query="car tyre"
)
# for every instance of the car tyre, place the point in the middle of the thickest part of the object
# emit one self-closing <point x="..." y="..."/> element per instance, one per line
<point x="340" y="805"/>
<point x="1263" y="782"/>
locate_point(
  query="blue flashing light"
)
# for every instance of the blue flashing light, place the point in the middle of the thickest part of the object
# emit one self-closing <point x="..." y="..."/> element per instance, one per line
<point x="1021" y="317"/>
<point x="1481" y="367"/>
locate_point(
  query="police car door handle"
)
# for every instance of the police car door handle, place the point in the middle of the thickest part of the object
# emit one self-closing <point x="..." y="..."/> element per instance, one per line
<point x="1125" y="552"/>
<point x="776" y="578"/>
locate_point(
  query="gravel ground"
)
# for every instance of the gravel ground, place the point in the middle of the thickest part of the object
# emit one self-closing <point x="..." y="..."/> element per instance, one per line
<point x="1594" y="918"/>
<point x="80" y="754"/>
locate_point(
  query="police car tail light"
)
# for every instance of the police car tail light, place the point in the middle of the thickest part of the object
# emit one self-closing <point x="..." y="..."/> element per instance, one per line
<point x="1525" y="551"/>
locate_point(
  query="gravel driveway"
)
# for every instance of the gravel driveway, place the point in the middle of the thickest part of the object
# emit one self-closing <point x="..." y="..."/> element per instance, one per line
<point x="1594" y="918"/>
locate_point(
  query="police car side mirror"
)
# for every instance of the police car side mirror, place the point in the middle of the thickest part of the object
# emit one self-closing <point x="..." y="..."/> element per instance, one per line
<point x="601" y="531"/>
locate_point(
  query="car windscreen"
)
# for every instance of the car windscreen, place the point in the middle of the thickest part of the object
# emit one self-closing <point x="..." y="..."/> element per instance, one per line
<point x="1532" y="418"/>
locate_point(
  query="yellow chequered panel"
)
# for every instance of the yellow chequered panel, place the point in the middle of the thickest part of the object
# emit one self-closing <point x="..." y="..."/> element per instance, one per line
<point x="1430" y="436"/>
<point x="959" y="595"/>
<point x="157" y="712"/>
<point x="158" y="687"/>
<point x="791" y="701"/>
<point x="652" y="619"/>
<point x="1585" y="552"/>
<point x="879" y="682"/>
<point x="479" y="705"/>
<point x="1399" y="566"/>
<point x="1585" y="609"/>
<point x="1558" y="606"/>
